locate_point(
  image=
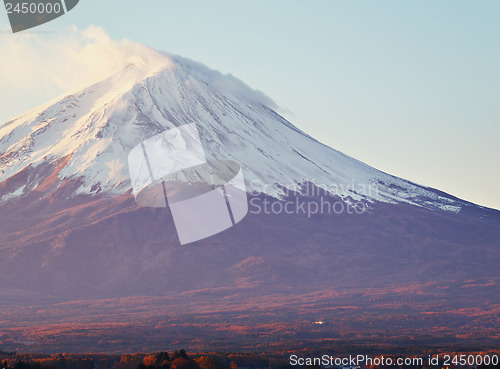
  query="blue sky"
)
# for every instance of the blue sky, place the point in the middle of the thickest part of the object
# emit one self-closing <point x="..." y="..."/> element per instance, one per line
<point x="409" y="87"/>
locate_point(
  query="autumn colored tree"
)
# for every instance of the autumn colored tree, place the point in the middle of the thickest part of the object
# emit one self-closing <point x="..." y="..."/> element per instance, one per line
<point x="181" y="360"/>
<point x="210" y="362"/>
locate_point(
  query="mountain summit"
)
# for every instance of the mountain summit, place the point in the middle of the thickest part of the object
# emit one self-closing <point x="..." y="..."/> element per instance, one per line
<point x="94" y="128"/>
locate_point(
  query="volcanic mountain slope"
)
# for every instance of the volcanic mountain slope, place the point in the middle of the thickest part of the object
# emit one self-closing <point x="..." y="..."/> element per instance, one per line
<point x="71" y="230"/>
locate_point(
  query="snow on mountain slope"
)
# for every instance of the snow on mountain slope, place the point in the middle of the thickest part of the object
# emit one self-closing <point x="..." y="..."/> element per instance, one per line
<point x="97" y="126"/>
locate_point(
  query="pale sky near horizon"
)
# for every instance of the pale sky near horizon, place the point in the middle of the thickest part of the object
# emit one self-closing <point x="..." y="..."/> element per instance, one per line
<point x="409" y="87"/>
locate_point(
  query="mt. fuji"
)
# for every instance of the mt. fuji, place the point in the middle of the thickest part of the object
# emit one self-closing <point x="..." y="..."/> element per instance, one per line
<point x="75" y="248"/>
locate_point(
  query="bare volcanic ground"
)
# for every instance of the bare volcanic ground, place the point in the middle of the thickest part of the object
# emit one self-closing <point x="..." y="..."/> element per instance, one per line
<point x="101" y="274"/>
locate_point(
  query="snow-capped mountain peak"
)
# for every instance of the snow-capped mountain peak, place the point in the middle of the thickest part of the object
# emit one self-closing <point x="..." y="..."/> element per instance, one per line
<point x="95" y="127"/>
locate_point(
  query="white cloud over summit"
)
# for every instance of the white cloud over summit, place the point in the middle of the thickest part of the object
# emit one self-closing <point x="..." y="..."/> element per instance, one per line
<point x="36" y="67"/>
